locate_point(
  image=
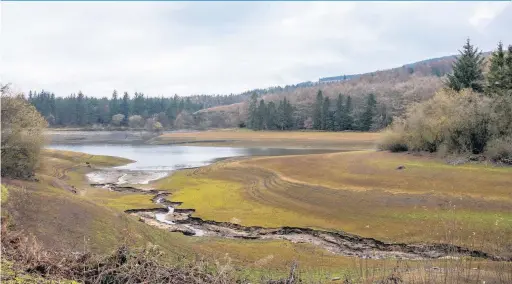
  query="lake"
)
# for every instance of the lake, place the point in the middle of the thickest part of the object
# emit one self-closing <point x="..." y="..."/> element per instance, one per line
<point x="171" y="157"/>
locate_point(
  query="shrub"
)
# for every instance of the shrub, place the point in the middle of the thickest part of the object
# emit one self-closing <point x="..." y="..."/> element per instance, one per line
<point x="393" y="140"/>
<point x="22" y="136"/>
<point x="117" y="119"/>
<point x="452" y="122"/>
<point x="153" y="125"/>
<point x="135" y="121"/>
<point x="500" y="150"/>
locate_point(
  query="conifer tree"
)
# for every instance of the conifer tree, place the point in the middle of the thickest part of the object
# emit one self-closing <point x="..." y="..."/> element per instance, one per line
<point x="326" y="120"/>
<point x="280" y="116"/>
<point x="496" y="78"/>
<point x="125" y="108"/>
<point x="81" y="109"/>
<point x="288" y="114"/>
<point x="317" y="112"/>
<point x="508" y="70"/>
<point x="261" y="116"/>
<point x="252" y="111"/>
<point x="272" y="117"/>
<point x="138" y="104"/>
<point x="467" y="70"/>
<point x="368" y="113"/>
<point x="348" y="120"/>
<point x="338" y="125"/>
<point x="114" y="104"/>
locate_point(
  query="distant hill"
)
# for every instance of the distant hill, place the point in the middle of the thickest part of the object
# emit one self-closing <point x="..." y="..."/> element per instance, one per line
<point x="396" y="88"/>
<point x="437" y="66"/>
<point x="338" y="78"/>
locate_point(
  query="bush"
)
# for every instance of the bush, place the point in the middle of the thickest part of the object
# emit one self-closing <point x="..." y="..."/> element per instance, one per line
<point x="117" y="119"/>
<point x="22" y="136"/>
<point x="153" y="125"/>
<point x="135" y="121"/>
<point x="500" y="150"/>
<point x="393" y="141"/>
<point x="451" y="122"/>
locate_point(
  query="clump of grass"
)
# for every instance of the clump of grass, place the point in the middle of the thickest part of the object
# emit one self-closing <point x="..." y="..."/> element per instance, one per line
<point x="460" y="270"/>
<point x="5" y="194"/>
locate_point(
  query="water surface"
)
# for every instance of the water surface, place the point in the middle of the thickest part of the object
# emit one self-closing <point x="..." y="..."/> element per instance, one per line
<point x="172" y="157"/>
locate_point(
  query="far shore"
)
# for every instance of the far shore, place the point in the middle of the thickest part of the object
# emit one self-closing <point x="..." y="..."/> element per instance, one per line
<point x="219" y="137"/>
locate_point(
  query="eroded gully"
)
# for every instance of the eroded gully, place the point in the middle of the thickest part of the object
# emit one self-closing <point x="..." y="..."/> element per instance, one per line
<point x="167" y="216"/>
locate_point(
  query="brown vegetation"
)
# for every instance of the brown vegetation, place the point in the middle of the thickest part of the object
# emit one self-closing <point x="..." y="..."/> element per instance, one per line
<point x="472" y="115"/>
<point x="396" y="88"/>
<point x="125" y="265"/>
<point x="22" y="136"/>
<point x="275" y="139"/>
<point x="455" y="122"/>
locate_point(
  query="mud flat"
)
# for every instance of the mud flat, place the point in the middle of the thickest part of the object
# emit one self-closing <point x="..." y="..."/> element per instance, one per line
<point x="167" y="216"/>
<point x="272" y="139"/>
<point x="94" y="137"/>
<point x="113" y="176"/>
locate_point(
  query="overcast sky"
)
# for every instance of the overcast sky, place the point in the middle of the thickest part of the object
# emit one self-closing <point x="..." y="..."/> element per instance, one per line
<point x="163" y="48"/>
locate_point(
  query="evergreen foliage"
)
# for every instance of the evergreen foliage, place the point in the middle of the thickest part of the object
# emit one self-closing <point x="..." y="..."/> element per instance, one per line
<point x="317" y="111"/>
<point x="348" y="120"/>
<point x="338" y="120"/>
<point x="81" y="110"/>
<point x="463" y="121"/>
<point x="369" y="113"/>
<point x="467" y="70"/>
<point x="499" y="78"/>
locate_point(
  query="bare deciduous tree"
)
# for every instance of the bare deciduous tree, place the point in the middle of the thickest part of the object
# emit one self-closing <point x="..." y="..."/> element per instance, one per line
<point x="22" y="135"/>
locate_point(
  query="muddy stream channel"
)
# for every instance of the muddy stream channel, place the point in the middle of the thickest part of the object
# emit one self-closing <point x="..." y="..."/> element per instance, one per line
<point x="155" y="162"/>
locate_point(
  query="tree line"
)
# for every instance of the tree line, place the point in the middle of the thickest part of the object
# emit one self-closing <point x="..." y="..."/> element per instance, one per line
<point x="340" y="115"/>
<point x="80" y="110"/>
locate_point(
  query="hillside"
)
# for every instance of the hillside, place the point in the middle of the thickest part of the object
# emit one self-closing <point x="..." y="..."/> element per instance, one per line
<point x="395" y="88"/>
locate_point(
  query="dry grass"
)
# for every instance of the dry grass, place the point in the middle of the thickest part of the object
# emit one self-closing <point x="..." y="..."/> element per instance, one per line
<point x="26" y="261"/>
<point x="250" y="191"/>
<point x="358" y="192"/>
<point x="378" y="171"/>
<point x="246" y="138"/>
<point x="93" y="219"/>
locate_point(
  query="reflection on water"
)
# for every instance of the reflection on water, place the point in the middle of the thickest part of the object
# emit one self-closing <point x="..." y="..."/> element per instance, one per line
<point x="167" y="157"/>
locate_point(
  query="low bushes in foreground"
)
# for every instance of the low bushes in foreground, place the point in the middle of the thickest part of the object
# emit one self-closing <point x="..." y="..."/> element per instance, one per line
<point x="25" y="261"/>
<point x="25" y="258"/>
<point x="455" y="122"/>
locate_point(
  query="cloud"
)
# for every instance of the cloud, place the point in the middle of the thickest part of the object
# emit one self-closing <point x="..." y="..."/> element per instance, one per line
<point x="163" y="48"/>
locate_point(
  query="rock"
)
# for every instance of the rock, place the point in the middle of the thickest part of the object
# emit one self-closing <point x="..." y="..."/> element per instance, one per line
<point x="401" y="167"/>
<point x="188" y="232"/>
<point x="336" y="278"/>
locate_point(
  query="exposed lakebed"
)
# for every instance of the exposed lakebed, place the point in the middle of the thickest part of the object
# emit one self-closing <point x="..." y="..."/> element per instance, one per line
<point x="154" y="162"/>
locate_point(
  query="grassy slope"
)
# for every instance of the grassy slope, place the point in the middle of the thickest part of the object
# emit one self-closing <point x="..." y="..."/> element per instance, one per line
<point x="248" y="191"/>
<point x="359" y="192"/>
<point x="94" y="219"/>
<point x="246" y="138"/>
